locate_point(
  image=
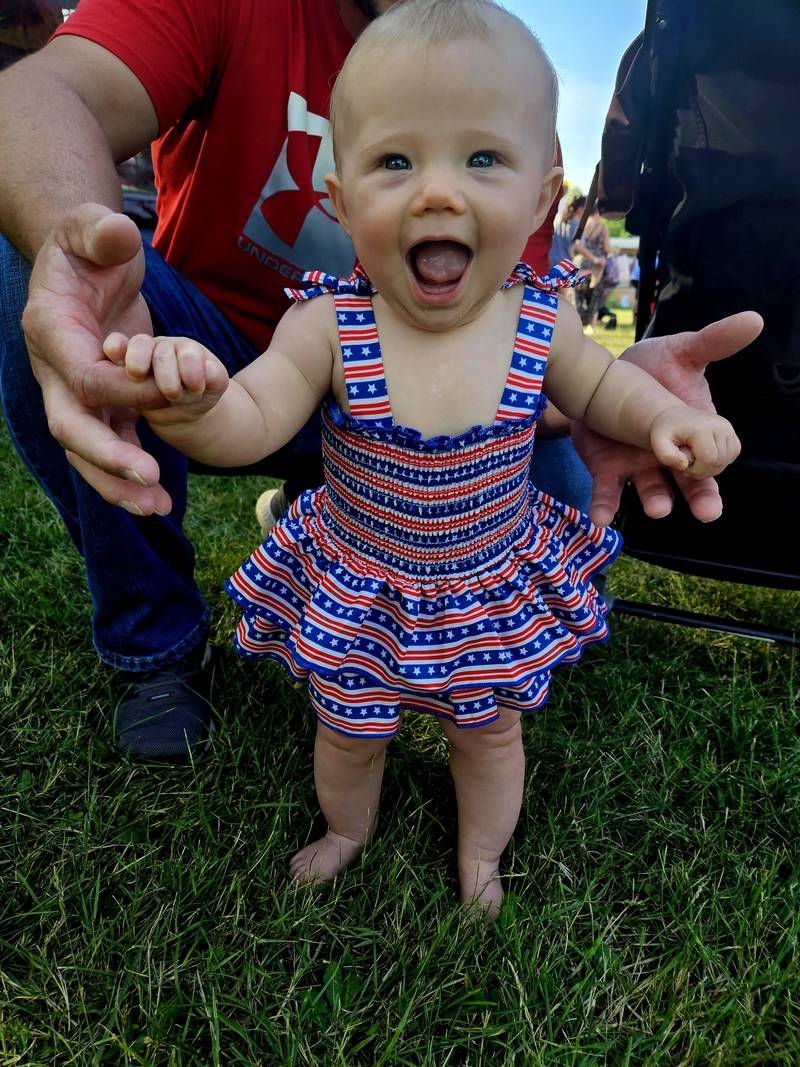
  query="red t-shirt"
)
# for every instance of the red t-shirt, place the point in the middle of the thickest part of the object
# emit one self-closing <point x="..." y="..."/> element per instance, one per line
<point x="241" y="90"/>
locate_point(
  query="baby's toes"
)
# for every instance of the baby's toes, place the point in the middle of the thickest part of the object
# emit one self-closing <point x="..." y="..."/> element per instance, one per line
<point x="300" y="865"/>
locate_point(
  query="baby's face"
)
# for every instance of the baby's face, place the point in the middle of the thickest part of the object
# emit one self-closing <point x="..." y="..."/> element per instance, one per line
<point x="445" y="169"/>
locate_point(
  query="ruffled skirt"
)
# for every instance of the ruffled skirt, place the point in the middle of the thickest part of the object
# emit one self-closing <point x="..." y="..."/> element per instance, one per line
<point x="372" y="641"/>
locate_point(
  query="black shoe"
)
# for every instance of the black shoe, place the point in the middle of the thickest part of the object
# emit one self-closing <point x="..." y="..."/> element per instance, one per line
<point x="164" y="714"/>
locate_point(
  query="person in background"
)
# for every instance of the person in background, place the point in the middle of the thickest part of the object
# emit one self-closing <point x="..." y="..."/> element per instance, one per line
<point x="594" y="248"/>
<point x="564" y="230"/>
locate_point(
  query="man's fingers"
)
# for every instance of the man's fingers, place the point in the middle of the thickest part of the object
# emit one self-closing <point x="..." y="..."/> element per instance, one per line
<point x="106" y="385"/>
<point x="115" y="239"/>
<point x="86" y="434"/>
<point x="656" y="495"/>
<point x="606" y="492"/>
<point x="99" y="446"/>
<point x="99" y="235"/>
<point x="702" y="495"/>
<point x="655" y="492"/>
<point x="93" y="382"/>
<point x="720" y="339"/>
<point x="134" y="498"/>
<point x="123" y="422"/>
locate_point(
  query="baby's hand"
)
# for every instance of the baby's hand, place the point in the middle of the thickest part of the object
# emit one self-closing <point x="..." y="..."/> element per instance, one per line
<point x="188" y="375"/>
<point x="698" y="443"/>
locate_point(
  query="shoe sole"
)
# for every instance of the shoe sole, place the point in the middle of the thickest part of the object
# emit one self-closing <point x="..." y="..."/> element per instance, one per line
<point x="264" y="513"/>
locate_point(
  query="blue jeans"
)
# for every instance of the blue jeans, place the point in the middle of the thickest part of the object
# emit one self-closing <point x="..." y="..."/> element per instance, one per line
<point x="557" y="469"/>
<point x="147" y="609"/>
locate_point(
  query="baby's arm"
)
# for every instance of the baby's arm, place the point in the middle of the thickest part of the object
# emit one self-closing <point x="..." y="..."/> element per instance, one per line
<point x="233" y="422"/>
<point x="619" y="400"/>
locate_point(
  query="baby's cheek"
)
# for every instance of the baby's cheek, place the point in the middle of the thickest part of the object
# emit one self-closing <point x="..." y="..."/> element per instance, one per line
<point x="377" y="245"/>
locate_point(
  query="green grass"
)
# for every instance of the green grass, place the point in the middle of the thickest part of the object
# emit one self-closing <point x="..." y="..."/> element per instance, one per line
<point x="145" y="914"/>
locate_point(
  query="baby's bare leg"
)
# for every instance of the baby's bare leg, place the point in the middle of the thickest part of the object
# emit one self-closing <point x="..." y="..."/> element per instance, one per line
<point x="347" y="774"/>
<point x="488" y="768"/>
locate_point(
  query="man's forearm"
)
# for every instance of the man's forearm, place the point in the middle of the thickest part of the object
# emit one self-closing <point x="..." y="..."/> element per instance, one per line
<point x="53" y="156"/>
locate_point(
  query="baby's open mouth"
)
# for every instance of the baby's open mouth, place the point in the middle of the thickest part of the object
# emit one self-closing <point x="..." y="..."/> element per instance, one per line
<point x="439" y="264"/>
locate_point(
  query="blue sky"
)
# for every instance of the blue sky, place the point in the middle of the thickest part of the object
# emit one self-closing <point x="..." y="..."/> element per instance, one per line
<point x="585" y="42"/>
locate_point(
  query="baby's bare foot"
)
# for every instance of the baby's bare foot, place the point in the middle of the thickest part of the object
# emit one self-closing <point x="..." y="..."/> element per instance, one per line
<point x="322" y="860"/>
<point x="481" y="888"/>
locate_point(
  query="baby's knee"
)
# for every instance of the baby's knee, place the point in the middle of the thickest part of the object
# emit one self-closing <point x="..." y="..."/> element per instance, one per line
<point x="355" y="747"/>
<point x="504" y="732"/>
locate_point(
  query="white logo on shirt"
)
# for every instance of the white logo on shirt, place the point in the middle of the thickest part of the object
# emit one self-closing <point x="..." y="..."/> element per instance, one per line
<point x="293" y="220"/>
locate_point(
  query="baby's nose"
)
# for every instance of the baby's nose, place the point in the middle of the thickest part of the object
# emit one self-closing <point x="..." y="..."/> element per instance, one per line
<point x="438" y="191"/>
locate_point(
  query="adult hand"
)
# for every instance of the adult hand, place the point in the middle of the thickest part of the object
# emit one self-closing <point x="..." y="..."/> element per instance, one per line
<point x="86" y="282"/>
<point x="679" y="363"/>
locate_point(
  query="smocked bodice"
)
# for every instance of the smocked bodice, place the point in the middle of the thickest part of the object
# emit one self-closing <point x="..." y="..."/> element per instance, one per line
<point x="443" y="507"/>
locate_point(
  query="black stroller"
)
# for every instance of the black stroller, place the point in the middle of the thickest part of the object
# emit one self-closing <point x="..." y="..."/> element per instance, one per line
<point x="701" y="154"/>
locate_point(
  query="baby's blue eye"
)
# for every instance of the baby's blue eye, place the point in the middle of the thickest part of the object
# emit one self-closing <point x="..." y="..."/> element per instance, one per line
<point x="482" y="159"/>
<point x="396" y="163"/>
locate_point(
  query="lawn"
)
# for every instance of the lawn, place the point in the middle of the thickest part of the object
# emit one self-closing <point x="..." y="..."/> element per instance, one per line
<point x="145" y="914"/>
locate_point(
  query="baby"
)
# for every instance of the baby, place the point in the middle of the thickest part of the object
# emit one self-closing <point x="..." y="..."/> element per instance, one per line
<point x="427" y="574"/>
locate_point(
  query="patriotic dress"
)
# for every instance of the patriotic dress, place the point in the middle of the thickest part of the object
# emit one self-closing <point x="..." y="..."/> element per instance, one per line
<point x="425" y="575"/>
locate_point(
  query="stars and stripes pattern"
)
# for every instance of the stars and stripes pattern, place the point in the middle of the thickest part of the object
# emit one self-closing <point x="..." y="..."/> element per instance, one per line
<point x="425" y="575"/>
<point x="367" y="394"/>
<point x="537" y="322"/>
<point x="318" y="283"/>
<point x="564" y="275"/>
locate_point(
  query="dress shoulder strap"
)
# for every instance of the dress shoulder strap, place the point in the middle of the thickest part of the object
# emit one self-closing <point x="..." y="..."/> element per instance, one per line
<point x="522" y="395"/>
<point x="367" y="395"/>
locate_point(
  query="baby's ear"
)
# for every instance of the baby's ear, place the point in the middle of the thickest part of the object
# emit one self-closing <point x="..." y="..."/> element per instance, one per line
<point x="336" y="196"/>
<point x="549" y="190"/>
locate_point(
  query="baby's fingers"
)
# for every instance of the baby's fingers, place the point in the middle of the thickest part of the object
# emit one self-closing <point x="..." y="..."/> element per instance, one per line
<point x="115" y="347"/>
<point x="191" y="358"/>
<point x="713" y="450"/>
<point x="217" y="379"/>
<point x="670" y="452"/>
<point x="707" y="461"/>
<point x="165" y="368"/>
<point x="139" y="356"/>
<point x="135" y="353"/>
<point x="729" y="444"/>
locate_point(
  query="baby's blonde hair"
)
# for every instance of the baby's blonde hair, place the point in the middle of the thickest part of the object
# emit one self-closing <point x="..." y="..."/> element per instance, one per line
<point x="431" y="22"/>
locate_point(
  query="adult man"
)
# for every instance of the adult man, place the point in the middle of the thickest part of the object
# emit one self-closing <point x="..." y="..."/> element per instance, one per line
<point x="238" y="92"/>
